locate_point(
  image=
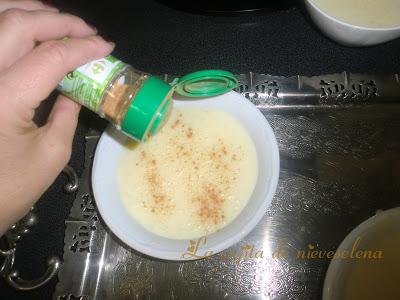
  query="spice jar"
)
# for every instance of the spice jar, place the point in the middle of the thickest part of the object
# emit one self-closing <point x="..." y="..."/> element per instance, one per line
<point x="135" y="102"/>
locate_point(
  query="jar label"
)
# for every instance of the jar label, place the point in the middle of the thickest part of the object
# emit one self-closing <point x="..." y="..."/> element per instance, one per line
<point x="87" y="83"/>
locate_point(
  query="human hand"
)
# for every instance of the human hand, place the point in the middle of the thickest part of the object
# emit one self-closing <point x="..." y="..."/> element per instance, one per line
<point x="34" y="57"/>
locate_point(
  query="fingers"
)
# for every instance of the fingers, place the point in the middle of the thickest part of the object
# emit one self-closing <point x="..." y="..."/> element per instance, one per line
<point x="35" y="159"/>
<point x="25" y="4"/>
<point x="61" y="126"/>
<point x="21" y="30"/>
<point x="33" y="77"/>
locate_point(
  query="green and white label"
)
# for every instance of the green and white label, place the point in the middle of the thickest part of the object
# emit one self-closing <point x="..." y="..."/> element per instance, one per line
<point x="87" y="83"/>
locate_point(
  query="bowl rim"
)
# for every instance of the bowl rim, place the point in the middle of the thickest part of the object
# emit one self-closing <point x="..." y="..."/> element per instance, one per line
<point x="226" y="242"/>
<point x="332" y="18"/>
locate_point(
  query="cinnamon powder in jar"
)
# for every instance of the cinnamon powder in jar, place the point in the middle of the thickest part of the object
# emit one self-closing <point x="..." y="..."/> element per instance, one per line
<point x="117" y="100"/>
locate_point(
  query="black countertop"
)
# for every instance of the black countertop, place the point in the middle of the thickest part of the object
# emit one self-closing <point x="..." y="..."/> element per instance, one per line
<point x="160" y="39"/>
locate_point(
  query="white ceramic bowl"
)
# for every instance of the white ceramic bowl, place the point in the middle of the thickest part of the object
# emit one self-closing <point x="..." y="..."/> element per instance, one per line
<point x="117" y="218"/>
<point x="339" y="271"/>
<point x="349" y="34"/>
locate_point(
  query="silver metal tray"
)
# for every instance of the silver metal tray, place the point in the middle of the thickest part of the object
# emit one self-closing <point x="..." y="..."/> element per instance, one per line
<point x="339" y="140"/>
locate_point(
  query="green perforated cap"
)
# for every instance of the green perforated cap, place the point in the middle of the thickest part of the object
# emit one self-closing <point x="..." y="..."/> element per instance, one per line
<point x="149" y="109"/>
<point x="206" y="83"/>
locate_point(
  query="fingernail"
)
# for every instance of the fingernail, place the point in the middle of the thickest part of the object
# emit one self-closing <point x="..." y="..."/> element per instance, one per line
<point x="92" y="26"/>
<point x="52" y="8"/>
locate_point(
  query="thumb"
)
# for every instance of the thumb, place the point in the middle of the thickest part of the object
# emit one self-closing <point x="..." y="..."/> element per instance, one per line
<point x="60" y="128"/>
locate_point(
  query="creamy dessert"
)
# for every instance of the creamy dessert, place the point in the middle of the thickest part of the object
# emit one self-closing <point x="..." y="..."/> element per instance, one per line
<point x="192" y="178"/>
<point x="368" y="13"/>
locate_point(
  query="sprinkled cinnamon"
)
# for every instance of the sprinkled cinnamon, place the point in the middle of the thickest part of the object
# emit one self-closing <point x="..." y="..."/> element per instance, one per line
<point x="159" y="204"/>
<point x="176" y="123"/>
<point x="210" y="203"/>
<point x="209" y="198"/>
<point x="189" y="133"/>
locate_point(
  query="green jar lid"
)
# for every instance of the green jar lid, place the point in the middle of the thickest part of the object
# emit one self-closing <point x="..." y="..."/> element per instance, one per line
<point x="152" y="104"/>
<point x="206" y="83"/>
<point x="148" y="109"/>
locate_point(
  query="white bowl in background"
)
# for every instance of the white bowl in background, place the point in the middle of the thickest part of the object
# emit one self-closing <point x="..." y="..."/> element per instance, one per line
<point x="350" y="34"/>
<point x="122" y="224"/>
<point x="340" y="269"/>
